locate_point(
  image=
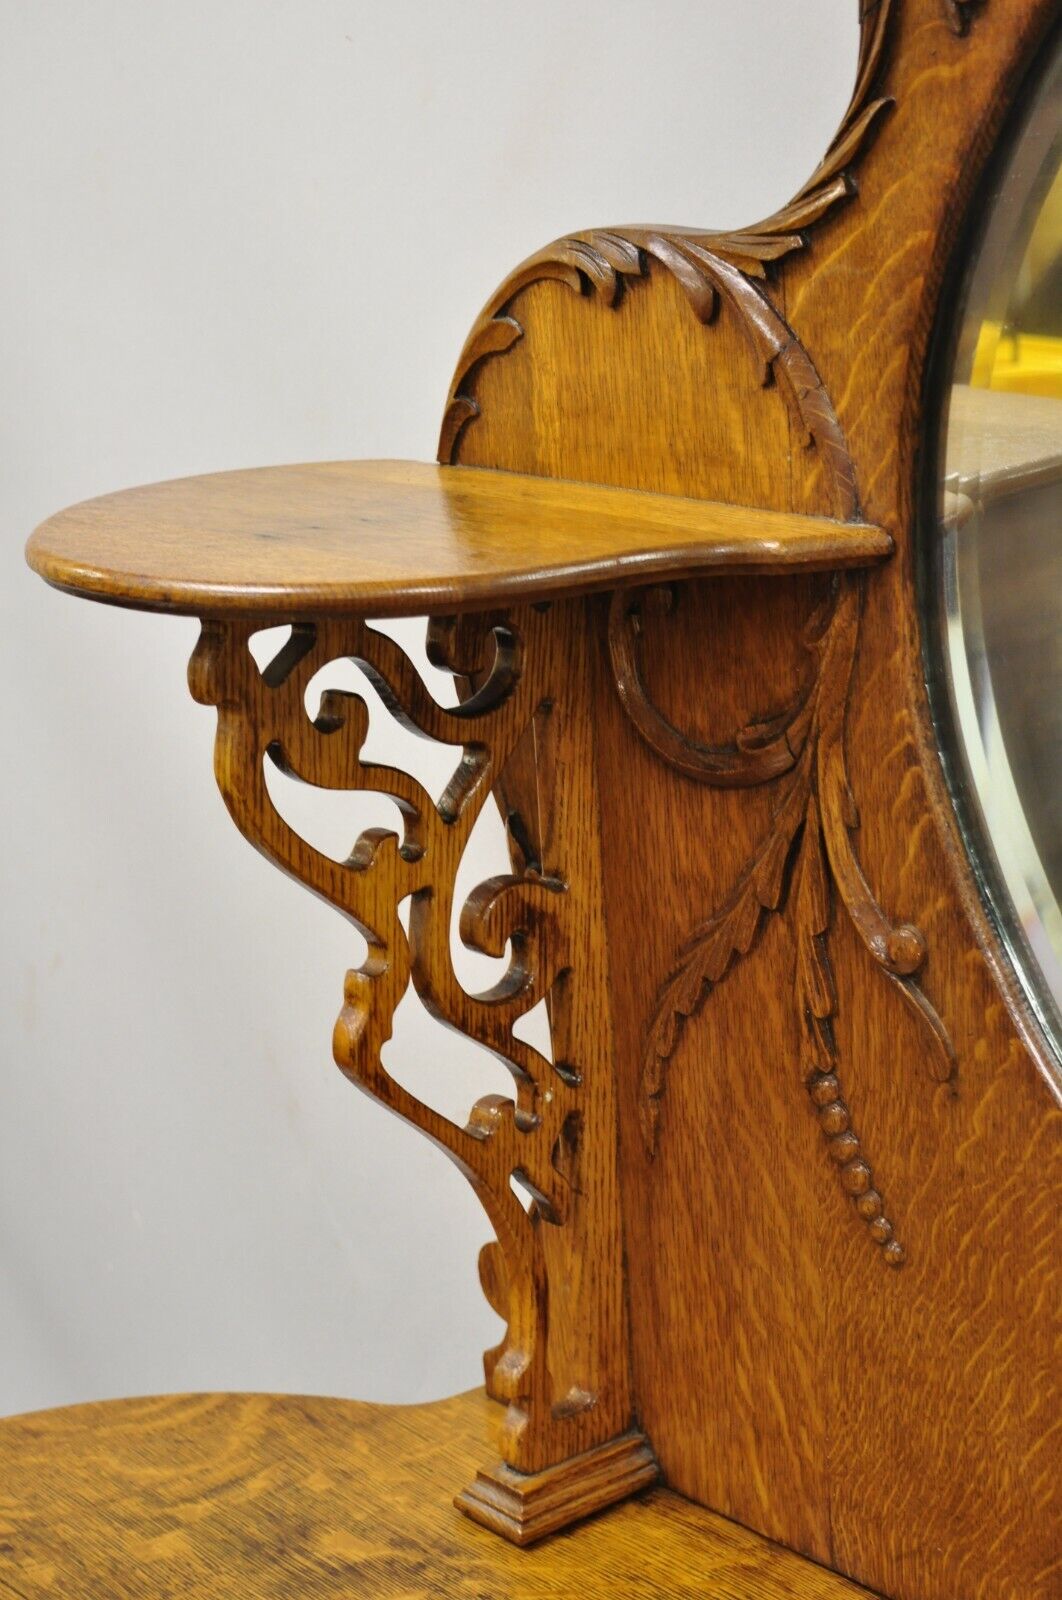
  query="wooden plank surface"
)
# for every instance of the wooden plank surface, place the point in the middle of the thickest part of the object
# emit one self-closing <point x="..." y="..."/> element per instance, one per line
<point x="398" y="538"/>
<point x="262" y="1497"/>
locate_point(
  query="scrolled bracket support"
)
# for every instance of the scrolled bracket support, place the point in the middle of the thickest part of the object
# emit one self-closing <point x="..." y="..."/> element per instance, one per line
<point x="543" y="1161"/>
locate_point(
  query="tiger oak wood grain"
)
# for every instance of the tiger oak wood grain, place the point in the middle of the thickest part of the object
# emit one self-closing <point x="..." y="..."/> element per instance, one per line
<point x="264" y="1497"/>
<point x="903" y="1426"/>
<point x="402" y="537"/>
<point x="526" y="1507"/>
<point x="893" y="1415"/>
<point x="563" y="1366"/>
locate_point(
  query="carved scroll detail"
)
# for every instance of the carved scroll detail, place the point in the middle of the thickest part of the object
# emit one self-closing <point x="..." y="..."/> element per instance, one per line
<point x="711" y="268"/>
<point x="806" y="860"/>
<point x="531" y="1139"/>
<point x="758" y="752"/>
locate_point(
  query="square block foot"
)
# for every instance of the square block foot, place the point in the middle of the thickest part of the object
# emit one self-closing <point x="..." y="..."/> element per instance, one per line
<point x="525" y="1506"/>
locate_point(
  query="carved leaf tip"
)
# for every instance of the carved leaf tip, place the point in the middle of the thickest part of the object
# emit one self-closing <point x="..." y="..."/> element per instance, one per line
<point x="818" y="809"/>
<point x="712" y="950"/>
<point x="649" y="1122"/>
<point x="941" y="1061"/>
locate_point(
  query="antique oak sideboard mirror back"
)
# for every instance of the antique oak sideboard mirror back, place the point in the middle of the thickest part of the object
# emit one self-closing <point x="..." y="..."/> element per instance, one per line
<point x="742" y="551"/>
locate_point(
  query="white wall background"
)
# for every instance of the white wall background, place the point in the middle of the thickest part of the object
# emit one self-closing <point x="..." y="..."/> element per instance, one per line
<point x="236" y="233"/>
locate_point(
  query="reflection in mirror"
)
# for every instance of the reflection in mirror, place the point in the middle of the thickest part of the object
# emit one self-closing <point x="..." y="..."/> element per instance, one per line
<point x="999" y="554"/>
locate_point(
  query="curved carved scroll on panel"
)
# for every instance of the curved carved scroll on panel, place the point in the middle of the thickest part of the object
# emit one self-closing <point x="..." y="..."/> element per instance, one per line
<point x="758" y="752"/>
<point x="707" y="267"/>
<point x="711" y="267"/>
<point x="806" y="861"/>
<point x="531" y="1140"/>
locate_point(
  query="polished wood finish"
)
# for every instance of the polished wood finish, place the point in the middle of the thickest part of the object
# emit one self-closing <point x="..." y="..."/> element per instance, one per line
<point x="263" y="1497"/>
<point x="563" y="1367"/>
<point x="389" y="538"/>
<point x="527" y="1506"/>
<point x="815" y="1266"/>
<point x="901" y="1425"/>
<point x="812" y="829"/>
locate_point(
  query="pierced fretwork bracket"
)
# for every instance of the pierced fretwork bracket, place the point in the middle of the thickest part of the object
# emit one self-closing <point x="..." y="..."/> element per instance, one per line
<point x="543" y="1163"/>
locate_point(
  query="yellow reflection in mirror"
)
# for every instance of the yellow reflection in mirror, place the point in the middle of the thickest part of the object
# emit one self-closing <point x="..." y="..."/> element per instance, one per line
<point x="1024" y="355"/>
<point x="1000" y="553"/>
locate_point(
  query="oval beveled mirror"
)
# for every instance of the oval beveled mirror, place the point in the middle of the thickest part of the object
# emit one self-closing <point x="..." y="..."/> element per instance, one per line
<point x="996" y="650"/>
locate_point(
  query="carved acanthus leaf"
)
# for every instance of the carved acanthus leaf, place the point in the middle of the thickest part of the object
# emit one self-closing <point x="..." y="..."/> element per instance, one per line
<point x="709" y="264"/>
<point x="709" y="272"/>
<point x="713" y="947"/>
<point x="814" y="819"/>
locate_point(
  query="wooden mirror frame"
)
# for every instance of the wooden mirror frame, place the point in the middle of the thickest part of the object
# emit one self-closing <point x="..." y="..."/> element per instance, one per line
<point x="792" y="1223"/>
<point x="896" y="1425"/>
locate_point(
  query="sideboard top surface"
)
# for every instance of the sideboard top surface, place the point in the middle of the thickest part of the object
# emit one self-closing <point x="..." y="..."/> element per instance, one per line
<point x="399" y="538"/>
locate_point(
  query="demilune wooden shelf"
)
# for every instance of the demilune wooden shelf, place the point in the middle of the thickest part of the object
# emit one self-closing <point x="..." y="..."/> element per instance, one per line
<point x="393" y="538"/>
